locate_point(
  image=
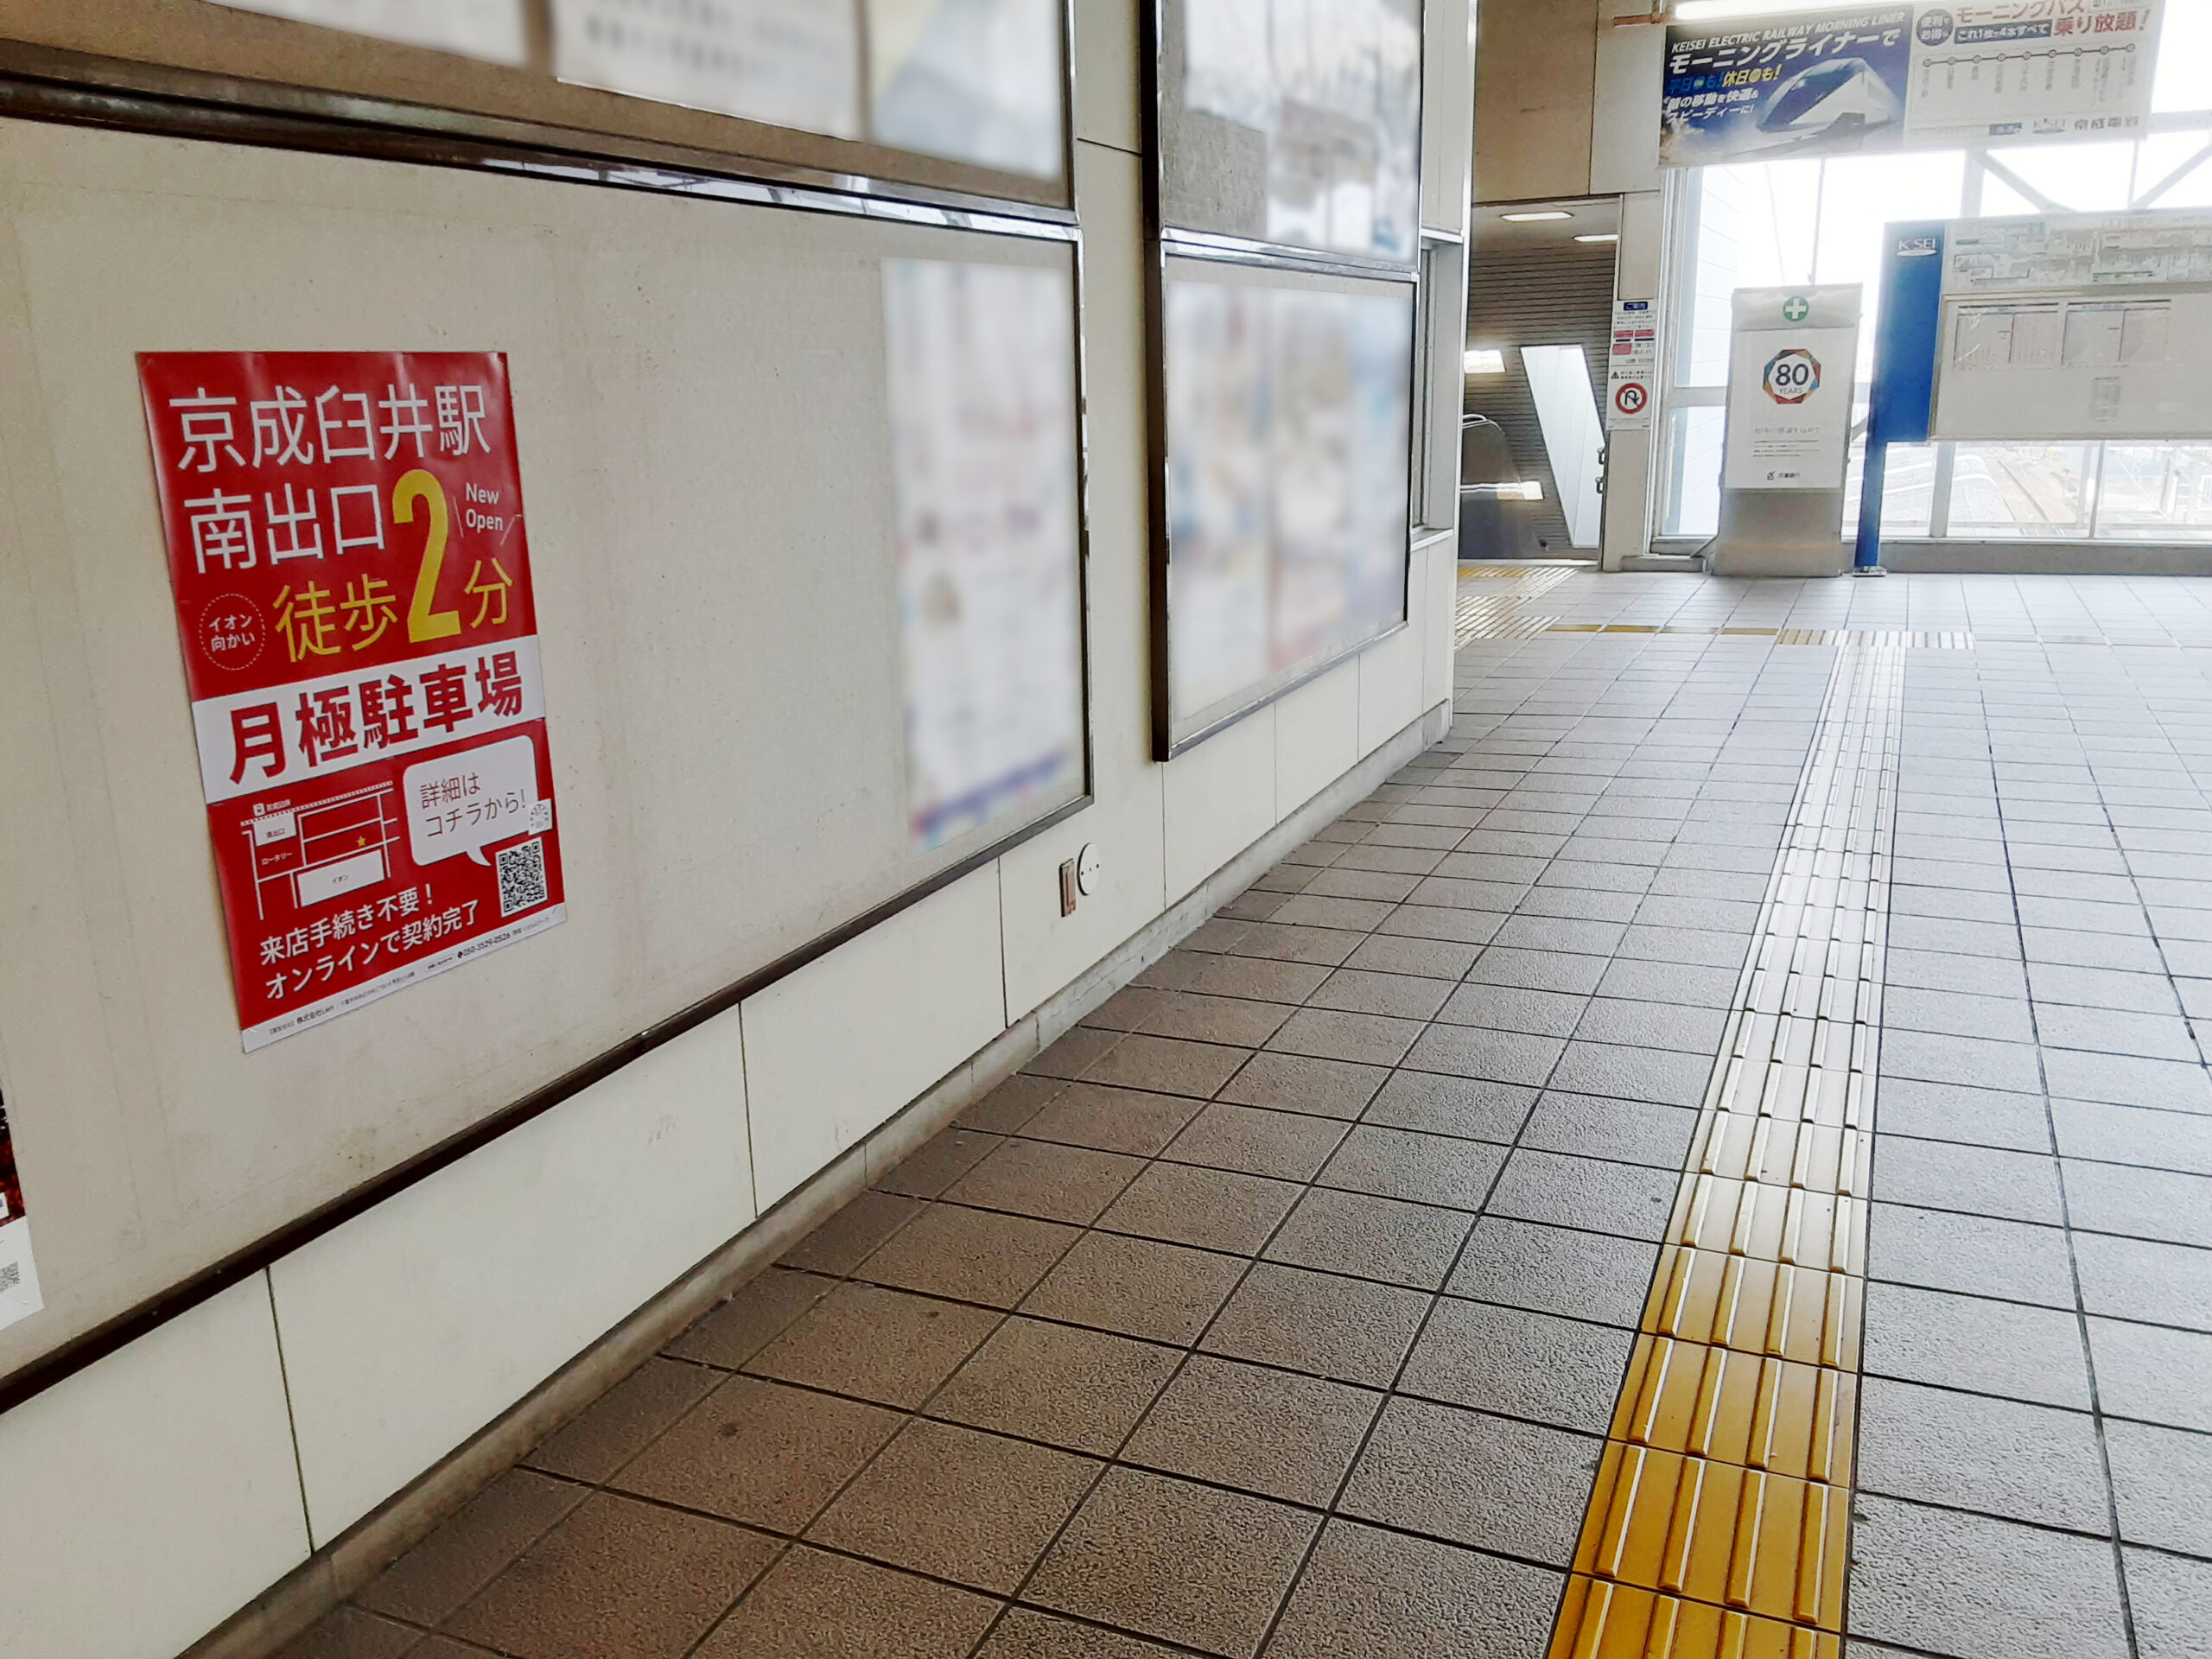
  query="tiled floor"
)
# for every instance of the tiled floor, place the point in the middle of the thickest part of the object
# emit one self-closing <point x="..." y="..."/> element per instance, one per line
<point x="1283" y="1306"/>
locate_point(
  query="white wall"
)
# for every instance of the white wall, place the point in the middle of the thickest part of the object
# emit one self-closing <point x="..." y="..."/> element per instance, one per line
<point x="146" y="1499"/>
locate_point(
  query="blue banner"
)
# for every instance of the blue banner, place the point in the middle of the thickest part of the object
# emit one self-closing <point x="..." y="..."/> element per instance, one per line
<point x="1804" y="84"/>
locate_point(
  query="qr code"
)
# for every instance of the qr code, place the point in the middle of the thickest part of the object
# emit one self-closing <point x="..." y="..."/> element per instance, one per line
<point x="11" y="1274"/>
<point x="522" y="877"/>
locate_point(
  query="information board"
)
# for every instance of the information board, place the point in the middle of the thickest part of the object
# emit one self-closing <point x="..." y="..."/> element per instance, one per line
<point x="19" y="1292"/>
<point x="351" y="571"/>
<point x="793" y="63"/>
<point x="2075" y="326"/>
<point x="1631" y="378"/>
<point x="1792" y="370"/>
<point x="1854" y="78"/>
<point x="490" y="30"/>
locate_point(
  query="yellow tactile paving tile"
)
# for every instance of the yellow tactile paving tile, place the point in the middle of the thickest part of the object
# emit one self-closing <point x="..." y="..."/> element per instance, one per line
<point x="1791" y="1224"/>
<point x="1805" y="1314"/>
<point x="1719" y="1533"/>
<point x="1763" y="1412"/>
<point x="1743" y="1146"/>
<point x="1615" y="1621"/>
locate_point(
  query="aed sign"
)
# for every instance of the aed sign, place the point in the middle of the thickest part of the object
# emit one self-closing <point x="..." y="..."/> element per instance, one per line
<point x="351" y="572"/>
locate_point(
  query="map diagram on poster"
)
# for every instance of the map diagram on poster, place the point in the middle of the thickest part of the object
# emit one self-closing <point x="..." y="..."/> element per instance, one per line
<point x="19" y="1292"/>
<point x="351" y="577"/>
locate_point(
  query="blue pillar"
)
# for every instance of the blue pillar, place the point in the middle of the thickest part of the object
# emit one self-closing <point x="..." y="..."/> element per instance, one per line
<point x="1869" y="560"/>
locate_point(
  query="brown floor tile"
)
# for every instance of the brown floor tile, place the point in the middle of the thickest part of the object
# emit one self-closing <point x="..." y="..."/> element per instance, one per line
<point x="471" y="1549"/>
<point x="1475" y="1479"/>
<point x="752" y="1319"/>
<point x="1024" y="1633"/>
<point x="820" y="1606"/>
<point x="1367" y="1594"/>
<point x="349" y="1633"/>
<point x="884" y="1345"/>
<point x="617" y="1579"/>
<point x="1349" y="1329"/>
<point x="1329" y="1035"/>
<point x="972" y="1255"/>
<point x="1468" y="1107"/>
<point x="1186" y="1563"/>
<point x="1421" y="1168"/>
<point x="1232" y="1020"/>
<point x="937" y="1163"/>
<point x="843" y="1241"/>
<point x="1013" y="1103"/>
<point x="1074" y="1054"/>
<point x="1297" y="1082"/>
<point x="1071" y="1387"/>
<point x="1259" y="981"/>
<point x="1128" y="1009"/>
<point x="1113" y="1120"/>
<point x="1213" y="1209"/>
<point x="1402" y="996"/>
<point x="1275" y="942"/>
<point x="625" y="1419"/>
<point x="1137" y="1286"/>
<point x="1274" y="1433"/>
<point x="444" y="1647"/>
<point x="762" y="1453"/>
<point x="1370" y="1237"/>
<point x="1167" y="1066"/>
<point x="1436" y="959"/>
<point x="1524" y="1364"/>
<point x="958" y="1503"/>
<point x="1287" y="1146"/>
<point x="1047" y="1179"/>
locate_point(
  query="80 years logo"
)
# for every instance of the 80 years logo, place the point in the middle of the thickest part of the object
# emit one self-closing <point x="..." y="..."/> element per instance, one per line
<point x="1793" y="376"/>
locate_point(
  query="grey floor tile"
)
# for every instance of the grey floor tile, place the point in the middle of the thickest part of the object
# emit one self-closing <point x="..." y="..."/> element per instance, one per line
<point x="2171" y="1601"/>
<point x="1167" y="1066"/>
<point x="1653" y="1076"/>
<point x="1954" y="1014"/>
<point x="1968" y="1586"/>
<point x="1662" y="982"/>
<point x="1288" y="1146"/>
<point x="1297" y="1082"/>
<point x="2134" y="1279"/>
<point x="1333" y="1034"/>
<point x="1185" y="1563"/>
<point x="1965" y="1452"/>
<point x="1538" y="970"/>
<point x="1973" y="974"/>
<point x="2014" y="1353"/>
<point x="1370" y="1237"/>
<point x="1491" y="1056"/>
<point x="1944" y="1111"/>
<point x="2071" y="948"/>
<point x="2102" y="987"/>
<point x="1978" y="1255"/>
<point x="2162" y="1483"/>
<point x="1441" y="1104"/>
<point x="1470" y="1479"/>
<point x="1519" y="1363"/>
<point x="1513" y="1007"/>
<point x="1630" y="1132"/>
<point x="1438" y="959"/>
<point x="1979" y="1181"/>
<point x="969" y="1255"/>
<point x="1369" y="1595"/>
<point x="1236" y="1021"/>
<point x="1276" y="1432"/>
<point x="2110" y="1031"/>
<point x="1695" y="947"/>
<point x="2152" y="1203"/>
<point x="1587" y="1193"/>
<point x="2134" y="1134"/>
<point x="1971" y="1061"/>
<point x="1423" y="1168"/>
<point x="1653" y="1024"/>
<point x="2153" y="1374"/>
<point x="1402" y="996"/>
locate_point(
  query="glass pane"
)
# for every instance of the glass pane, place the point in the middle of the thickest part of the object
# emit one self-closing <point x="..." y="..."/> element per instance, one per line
<point x="2083" y="178"/>
<point x="1860" y="195"/>
<point x="2162" y="155"/>
<point x="1755" y="228"/>
<point x="2184" y="48"/>
<point x="2156" y="492"/>
<point x="2039" y="490"/>
<point x="1908" y="496"/>
<point x="1693" y="472"/>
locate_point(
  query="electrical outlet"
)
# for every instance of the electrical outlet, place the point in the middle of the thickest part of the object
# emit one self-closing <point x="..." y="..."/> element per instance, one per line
<point x="1071" y="890"/>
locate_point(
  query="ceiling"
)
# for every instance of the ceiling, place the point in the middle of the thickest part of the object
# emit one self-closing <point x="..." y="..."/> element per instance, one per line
<point x="1595" y="216"/>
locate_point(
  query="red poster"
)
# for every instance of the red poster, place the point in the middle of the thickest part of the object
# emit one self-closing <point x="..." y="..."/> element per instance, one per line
<point x="352" y="574"/>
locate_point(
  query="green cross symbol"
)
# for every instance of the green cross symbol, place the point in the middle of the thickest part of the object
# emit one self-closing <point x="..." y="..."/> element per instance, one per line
<point x="1796" y="308"/>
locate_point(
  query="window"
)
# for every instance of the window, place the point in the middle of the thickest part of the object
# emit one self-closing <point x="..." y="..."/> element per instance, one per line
<point x="1775" y="223"/>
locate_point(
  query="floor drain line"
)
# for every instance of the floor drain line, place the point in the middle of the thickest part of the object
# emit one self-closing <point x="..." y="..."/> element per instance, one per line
<point x="1719" y="1524"/>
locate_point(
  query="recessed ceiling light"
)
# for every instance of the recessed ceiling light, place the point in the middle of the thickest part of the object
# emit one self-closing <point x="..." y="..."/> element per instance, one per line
<point x="1485" y="359"/>
<point x="1535" y="218"/>
<point x="1609" y="235"/>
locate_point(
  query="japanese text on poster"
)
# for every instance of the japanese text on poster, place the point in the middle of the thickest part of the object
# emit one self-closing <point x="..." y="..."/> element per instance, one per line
<point x="19" y="1292"/>
<point x="1632" y="380"/>
<point x="793" y="63"/>
<point x="1886" y="77"/>
<point x="351" y="577"/>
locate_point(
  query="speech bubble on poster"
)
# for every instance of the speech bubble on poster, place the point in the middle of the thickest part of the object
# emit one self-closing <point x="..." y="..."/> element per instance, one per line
<point x="458" y="805"/>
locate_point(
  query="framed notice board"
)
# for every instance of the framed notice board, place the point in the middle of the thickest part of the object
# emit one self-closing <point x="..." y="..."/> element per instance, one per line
<point x="1285" y="205"/>
<point x="930" y="99"/>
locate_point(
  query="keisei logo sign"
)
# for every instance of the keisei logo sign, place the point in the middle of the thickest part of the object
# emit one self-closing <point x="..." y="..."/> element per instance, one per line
<point x="1793" y="376"/>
